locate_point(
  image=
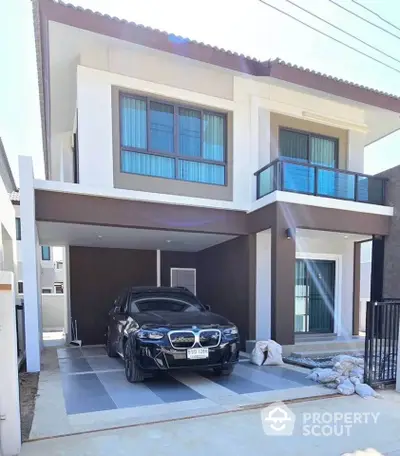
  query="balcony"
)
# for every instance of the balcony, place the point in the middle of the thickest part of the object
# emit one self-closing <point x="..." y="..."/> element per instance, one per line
<point x="293" y="176"/>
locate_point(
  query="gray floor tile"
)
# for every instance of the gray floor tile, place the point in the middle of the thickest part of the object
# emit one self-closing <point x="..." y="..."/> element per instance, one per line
<point x="168" y="389"/>
<point x="125" y="394"/>
<point x="84" y="394"/>
<point x="284" y="373"/>
<point x="93" y="351"/>
<point x="69" y="353"/>
<point x="264" y="378"/>
<point x="98" y="363"/>
<point x="236" y="383"/>
<point x="74" y="365"/>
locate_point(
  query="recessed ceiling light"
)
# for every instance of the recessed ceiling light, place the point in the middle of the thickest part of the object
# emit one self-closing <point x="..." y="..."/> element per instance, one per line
<point x="346" y="237"/>
<point x="99" y="236"/>
<point x="168" y="241"/>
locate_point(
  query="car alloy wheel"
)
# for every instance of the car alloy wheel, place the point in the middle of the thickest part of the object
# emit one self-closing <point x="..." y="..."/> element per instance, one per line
<point x="132" y="372"/>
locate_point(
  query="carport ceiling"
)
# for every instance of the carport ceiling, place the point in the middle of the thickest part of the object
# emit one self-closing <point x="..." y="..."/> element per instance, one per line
<point x="125" y="238"/>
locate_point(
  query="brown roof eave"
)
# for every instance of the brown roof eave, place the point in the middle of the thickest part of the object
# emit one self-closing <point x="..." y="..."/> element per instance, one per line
<point x="41" y="45"/>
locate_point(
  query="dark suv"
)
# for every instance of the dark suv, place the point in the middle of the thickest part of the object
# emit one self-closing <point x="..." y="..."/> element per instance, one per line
<point x="158" y="328"/>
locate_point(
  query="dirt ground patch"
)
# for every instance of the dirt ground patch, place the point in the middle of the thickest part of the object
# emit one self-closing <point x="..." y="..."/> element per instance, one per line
<point x="28" y="386"/>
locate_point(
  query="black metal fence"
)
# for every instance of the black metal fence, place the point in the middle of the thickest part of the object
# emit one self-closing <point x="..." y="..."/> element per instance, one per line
<point x="381" y="342"/>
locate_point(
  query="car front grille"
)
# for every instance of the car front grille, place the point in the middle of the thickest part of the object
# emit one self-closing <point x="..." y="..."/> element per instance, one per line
<point x="210" y="337"/>
<point x="182" y="339"/>
<point x="206" y="338"/>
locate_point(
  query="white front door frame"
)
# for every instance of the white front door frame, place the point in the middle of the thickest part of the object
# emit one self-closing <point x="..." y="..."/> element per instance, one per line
<point x="338" y="282"/>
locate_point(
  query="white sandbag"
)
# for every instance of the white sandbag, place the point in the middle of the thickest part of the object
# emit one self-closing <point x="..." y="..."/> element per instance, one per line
<point x="355" y="380"/>
<point x="365" y="391"/>
<point x="357" y="372"/>
<point x="274" y="357"/>
<point x="331" y="385"/>
<point x="341" y="379"/>
<point x="327" y="376"/>
<point x="267" y="353"/>
<point x="346" y="388"/>
<point x="258" y="355"/>
<point x="313" y="375"/>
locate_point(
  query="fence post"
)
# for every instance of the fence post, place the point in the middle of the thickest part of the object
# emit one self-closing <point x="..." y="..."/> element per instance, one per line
<point x="10" y="427"/>
<point x="398" y="362"/>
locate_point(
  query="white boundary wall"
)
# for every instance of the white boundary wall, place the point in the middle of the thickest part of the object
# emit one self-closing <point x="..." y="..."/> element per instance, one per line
<point x="10" y="427"/>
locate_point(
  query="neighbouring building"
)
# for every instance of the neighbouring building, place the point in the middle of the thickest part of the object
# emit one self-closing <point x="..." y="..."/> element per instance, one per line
<point x="172" y="162"/>
<point x="8" y="253"/>
<point x="51" y="268"/>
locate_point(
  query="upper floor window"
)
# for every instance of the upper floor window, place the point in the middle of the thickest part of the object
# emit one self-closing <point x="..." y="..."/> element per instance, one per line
<point x="171" y="141"/>
<point x="45" y="253"/>
<point x="18" y="228"/>
<point x="308" y="147"/>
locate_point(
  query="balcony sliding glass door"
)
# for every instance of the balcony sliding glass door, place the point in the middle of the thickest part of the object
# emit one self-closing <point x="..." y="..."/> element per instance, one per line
<point x="308" y="149"/>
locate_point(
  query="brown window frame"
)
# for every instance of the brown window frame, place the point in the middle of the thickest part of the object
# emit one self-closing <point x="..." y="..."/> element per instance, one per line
<point x="175" y="155"/>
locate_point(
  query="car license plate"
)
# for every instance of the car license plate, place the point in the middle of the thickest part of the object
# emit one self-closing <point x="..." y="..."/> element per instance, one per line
<point x="197" y="353"/>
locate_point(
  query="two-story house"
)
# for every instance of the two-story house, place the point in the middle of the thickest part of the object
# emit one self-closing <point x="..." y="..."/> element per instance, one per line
<point x="171" y="162"/>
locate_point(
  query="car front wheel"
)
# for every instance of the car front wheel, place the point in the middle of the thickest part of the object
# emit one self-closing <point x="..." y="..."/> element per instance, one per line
<point x="223" y="371"/>
<point x="132" y="372"/>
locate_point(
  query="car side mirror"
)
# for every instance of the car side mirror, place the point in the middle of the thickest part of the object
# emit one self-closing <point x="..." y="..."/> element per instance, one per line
<point x="207" y="307"/>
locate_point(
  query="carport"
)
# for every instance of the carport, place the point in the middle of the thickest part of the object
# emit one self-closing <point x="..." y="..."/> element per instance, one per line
<point x="103" y="260"/>
<point x="114" y="242"/>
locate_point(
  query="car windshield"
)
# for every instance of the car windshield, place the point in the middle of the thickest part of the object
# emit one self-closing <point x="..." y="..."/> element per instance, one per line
<point x="165" y="303"/>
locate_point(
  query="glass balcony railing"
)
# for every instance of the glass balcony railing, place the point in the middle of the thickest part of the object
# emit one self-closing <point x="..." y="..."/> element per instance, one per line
<point x="293" y="176"/>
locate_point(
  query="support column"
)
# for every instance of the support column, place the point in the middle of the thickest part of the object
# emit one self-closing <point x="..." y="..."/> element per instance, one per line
<point x="67" y="296"/>
<point x="377" y="264"/>
<point x="283" y="265"/>
<point x="356" y="288"/>
<point x="29" y="244"/>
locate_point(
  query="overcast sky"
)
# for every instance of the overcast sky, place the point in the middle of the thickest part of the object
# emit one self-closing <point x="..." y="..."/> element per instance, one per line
<point x="245" y="26"/>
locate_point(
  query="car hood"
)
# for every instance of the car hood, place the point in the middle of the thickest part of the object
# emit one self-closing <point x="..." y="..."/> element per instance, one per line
<point x="179" y="319"/>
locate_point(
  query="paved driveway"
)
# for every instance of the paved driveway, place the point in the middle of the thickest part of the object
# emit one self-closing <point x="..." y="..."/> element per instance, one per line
<point x="82" y="389"/>
<point x="94" y="382"/>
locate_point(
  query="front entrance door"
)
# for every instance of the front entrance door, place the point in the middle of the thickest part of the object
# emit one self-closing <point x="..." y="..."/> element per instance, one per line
<point x="314" y="296"/>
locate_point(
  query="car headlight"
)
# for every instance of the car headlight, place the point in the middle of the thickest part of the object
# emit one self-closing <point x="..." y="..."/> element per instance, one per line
<point x="232" y="331"/>
<point x="146" y="334"/>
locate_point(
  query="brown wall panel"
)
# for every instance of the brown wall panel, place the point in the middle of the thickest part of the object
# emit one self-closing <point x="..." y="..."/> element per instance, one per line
<point x="95" y="210"/>
<point x="175" y="260"/>
<point x="319" y="218"/>
<point x="223" y="281"/>
<point x="97" y="276"/>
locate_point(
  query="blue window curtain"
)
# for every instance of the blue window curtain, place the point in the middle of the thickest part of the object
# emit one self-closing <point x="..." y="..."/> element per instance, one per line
<point x="45" y="253"/>
<point x="161" y="127"/>
<point x="213" y="137"/>
<point x="323" y="151"/>
<point x="164" y="140"/>
<point x="147" y="164"/>
<point x="189" y="132"/>
<point x="201" y="172"/>
<point x="133" y="123"/>
<point x="293" y="145"/>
